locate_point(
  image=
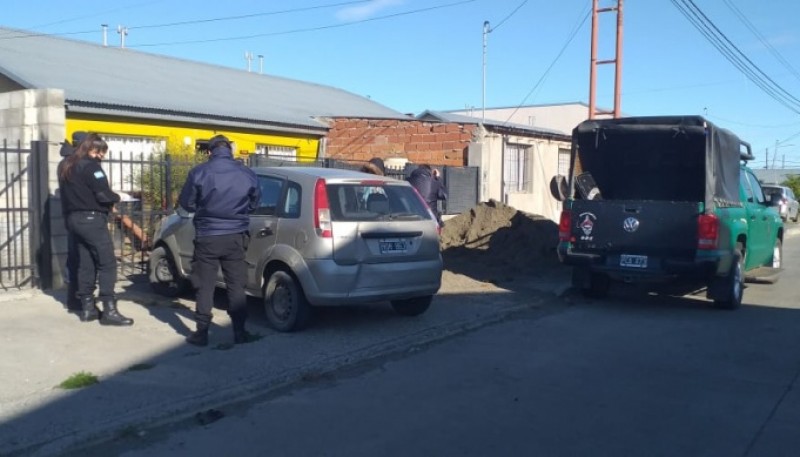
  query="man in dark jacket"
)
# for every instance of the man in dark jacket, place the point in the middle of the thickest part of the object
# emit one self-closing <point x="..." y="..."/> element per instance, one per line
<point x="430" y="187"/>
<point x="221" y="193"/>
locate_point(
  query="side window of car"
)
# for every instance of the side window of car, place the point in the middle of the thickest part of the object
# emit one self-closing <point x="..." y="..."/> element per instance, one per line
<point x="745" y="185"/>
<point x="758" y="193"/>
<point x="270" y="195"/>
<point x="291" y="207"/>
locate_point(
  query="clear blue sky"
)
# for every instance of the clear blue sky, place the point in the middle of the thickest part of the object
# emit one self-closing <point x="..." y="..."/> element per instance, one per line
<point x="413" y="55"/>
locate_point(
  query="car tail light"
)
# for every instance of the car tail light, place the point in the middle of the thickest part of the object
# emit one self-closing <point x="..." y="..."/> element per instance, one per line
<point x="322" y="211"/>
<point x="707" y="231"/>
<point x="565" y="226"/>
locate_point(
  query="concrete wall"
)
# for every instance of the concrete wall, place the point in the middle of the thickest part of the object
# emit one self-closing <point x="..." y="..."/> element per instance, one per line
<point x="487" y="153"/>
<point x="39" y="115"/>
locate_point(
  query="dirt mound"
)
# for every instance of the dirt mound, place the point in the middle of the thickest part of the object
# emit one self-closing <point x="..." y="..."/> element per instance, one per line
<point x="495" y="235"/>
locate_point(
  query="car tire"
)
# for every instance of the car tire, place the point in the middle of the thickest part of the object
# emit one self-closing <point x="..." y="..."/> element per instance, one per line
<point x="599" y="284"/>
<point x="412" y="306"/>
<point x="163" y="274"/>
<point x="285" y="304"/>
<point x="796" y="216"/>
<point x="734" y="283"/>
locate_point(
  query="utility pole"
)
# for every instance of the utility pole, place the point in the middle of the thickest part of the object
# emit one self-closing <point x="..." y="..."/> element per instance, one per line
<point x="123" y="31"/>
<point x="248" y="56"/>
<point x="105" y="34"/>
<point x="617" y="60"/>
<point x="486" y="31"/>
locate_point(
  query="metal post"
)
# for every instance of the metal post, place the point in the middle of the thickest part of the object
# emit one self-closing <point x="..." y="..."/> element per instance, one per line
<point x="261" y="64"/>
<point x="168" y="182"/>
<point x="486" y="31"/>
<point x="39" y="216"/>
<point x="618" y="65"/>
<point x="105" y="34"/>
<point x="593" y="63"/>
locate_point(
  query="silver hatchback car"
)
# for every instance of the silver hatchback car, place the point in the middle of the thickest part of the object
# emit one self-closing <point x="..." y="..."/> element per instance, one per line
<point x="321" y="237"/>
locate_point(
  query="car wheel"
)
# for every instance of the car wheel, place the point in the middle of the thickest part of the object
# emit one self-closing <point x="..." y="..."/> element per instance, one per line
<point x="598" y="286"/>
<point x="734" y="284"/>
<point x="285" y="304"/>
<point x="412" y="306"/>
<point x="164" y="277"/>
<point x="796" y="216"/>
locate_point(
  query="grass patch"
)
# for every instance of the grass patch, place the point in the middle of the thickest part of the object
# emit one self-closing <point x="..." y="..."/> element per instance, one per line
<point x="141" y="367"/>
<point x="79" y="380"/>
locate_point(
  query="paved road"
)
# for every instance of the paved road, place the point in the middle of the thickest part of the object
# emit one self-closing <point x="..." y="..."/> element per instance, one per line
<point x="633" y="375"/>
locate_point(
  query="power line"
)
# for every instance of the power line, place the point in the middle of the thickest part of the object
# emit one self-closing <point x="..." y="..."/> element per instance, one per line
<point x="571" y="37"/>
<point x="509" y="16"/>
<point x="246" y="16"/>
<point x="734" y="55"/>
<point x="761" y="38"/>
<point x="308" y="29"/>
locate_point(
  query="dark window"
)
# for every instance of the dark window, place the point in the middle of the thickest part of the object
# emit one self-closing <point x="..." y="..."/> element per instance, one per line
<point x="291" y="208"/>
<point x="355" y="202"/>
<point x="270" y="195"/>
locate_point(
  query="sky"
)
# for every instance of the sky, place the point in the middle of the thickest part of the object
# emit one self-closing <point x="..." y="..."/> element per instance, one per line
<point x="417" y="55"/>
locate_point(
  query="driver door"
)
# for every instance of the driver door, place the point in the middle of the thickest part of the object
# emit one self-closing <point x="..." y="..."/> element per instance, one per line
<point x="264" y="226"/>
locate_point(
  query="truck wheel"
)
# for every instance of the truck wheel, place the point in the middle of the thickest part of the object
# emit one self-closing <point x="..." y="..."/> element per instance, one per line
<point x="164" y="277"/>
<point x="598" y="286"/>
<point x="734" y="284"/>
<point x="777" y="254"/>
<point x="285" y="304"/>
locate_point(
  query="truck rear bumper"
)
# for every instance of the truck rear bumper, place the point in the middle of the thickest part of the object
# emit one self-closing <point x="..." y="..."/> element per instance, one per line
<point x="658" y="269"/>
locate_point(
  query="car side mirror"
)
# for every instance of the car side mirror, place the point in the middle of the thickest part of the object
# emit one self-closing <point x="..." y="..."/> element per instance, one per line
<point x="559" y="188"/>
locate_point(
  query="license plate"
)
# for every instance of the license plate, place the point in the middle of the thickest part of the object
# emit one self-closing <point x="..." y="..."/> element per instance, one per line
<point x="392" y="246"/>
<point x="633" y="261"/>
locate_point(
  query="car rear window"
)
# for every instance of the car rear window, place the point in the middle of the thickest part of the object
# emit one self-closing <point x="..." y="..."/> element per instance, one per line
<point x="375" y="201"/>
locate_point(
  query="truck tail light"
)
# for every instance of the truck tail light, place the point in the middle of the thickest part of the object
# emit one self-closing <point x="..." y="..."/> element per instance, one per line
<point x="322" y="211"/>
<point x="707" y="231"/>
<point x="565" y="226"/>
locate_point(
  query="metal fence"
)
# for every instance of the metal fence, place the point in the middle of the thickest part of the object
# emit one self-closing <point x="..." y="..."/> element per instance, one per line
<point x="24" y="257"/>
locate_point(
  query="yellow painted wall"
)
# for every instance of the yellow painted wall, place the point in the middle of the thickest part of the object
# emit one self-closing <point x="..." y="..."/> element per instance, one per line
<point x="245" y="142"/>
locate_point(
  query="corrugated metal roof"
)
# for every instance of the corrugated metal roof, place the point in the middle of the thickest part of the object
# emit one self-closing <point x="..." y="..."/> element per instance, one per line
<point x="461" y="119"/>
<point x="122" y="80"/>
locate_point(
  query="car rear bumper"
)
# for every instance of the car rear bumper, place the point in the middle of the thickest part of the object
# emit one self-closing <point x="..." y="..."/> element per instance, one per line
<point x="331" y="284"/>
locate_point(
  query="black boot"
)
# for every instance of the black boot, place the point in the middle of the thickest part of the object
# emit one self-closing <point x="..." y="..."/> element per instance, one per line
<point x="237" y="321"/>
<point x="199" y="337"/>
<point x="89" y="311"/>
<point x="111" y="315"/>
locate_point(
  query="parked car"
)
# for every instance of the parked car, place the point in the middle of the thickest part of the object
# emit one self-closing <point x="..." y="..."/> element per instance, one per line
<point x="322" y="237"/>
<point x="785" y="201"/>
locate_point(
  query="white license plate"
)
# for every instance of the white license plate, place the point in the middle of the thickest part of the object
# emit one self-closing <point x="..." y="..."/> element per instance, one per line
<point x="392" y="246"/>
<point x="633" y="261"/>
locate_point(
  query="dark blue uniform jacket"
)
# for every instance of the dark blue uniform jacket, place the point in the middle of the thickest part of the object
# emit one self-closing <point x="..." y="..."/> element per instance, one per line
<point x="222" y="193"/>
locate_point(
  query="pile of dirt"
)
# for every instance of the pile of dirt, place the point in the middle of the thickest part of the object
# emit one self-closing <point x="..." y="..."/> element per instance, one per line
<point x="493" y="236"/>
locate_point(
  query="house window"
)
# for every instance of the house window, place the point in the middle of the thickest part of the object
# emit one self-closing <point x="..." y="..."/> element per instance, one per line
<point x="278" y="152"/>
<point x="563" y="161"/>
<point x="516" y="168"/>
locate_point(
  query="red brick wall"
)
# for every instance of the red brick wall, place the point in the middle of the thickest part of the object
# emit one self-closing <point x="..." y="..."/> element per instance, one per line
<point x="419" y="142"/>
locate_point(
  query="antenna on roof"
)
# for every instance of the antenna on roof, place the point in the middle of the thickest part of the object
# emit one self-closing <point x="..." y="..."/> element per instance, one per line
<point x="248" y="56"/>
<point x="261" y="64"/>
<point x="123" y="31"/>
<point x="105" y="34"/>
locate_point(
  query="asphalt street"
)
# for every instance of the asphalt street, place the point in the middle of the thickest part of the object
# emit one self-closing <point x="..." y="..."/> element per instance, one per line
<point x="631" y="375"/>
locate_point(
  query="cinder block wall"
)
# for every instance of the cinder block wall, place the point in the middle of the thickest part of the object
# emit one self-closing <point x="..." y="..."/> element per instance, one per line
<point x="39" y="115"/>
<point x="419" y="142"/>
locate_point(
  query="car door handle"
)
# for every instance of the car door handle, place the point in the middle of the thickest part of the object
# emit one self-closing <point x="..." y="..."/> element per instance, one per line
<point x="266" y="231"/>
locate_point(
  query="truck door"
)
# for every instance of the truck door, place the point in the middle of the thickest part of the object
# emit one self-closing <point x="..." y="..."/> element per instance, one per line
<point x="759" y="221"/>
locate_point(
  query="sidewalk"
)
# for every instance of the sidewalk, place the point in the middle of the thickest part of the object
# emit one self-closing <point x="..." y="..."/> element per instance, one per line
<point x="149" y="375"/>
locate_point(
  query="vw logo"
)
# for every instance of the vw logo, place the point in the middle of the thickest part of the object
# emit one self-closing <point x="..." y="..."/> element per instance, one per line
<point x="630" y="224"/>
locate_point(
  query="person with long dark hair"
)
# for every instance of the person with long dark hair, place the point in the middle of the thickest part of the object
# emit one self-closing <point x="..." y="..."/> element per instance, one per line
<point x="87" y="200"/>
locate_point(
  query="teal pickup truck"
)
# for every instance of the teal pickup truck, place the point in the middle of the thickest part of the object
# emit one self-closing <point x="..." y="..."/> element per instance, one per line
<point x="665" y="199"/>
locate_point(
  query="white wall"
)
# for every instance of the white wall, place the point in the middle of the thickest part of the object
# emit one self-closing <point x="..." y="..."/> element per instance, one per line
<point x="487" y="153"/>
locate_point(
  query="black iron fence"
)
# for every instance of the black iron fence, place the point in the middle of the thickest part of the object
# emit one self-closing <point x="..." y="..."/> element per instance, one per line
<point x="24" y="252"/>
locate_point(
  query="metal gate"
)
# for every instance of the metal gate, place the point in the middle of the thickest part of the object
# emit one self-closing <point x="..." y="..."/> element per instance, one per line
<point x="24" y="252"/>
